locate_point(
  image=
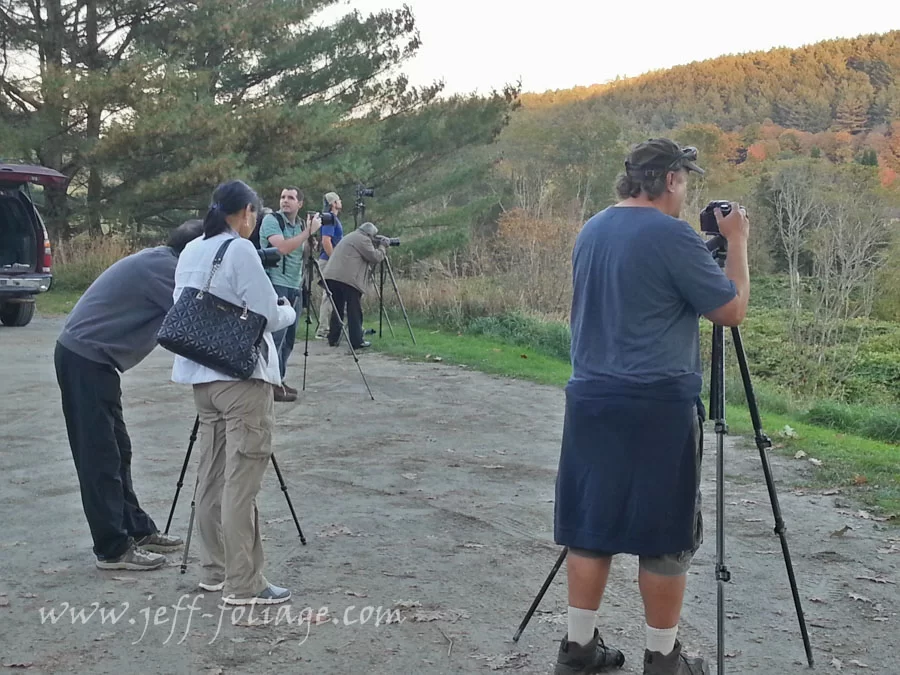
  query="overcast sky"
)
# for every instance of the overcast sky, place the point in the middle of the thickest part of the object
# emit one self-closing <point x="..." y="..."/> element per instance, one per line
<point x="480" y="44"/>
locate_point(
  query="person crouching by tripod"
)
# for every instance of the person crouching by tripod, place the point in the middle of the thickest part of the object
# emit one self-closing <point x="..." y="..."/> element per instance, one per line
<point x="629" y="467"/>
<point x="236" y="416"/>
<point x="113" y="327"/>
<point x="347" y="275"/>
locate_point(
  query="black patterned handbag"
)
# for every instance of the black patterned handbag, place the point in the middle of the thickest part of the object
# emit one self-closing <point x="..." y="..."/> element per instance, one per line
<point x="214" y="332"/>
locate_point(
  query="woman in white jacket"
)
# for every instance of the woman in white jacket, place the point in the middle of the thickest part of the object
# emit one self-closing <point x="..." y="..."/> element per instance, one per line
<point x="236" y="416"/>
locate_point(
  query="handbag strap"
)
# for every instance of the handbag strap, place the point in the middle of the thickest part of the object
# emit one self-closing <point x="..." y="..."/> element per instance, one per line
<point x="217" y="261"/>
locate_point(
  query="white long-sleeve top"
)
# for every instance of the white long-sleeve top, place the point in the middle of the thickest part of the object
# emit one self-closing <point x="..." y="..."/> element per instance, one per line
<point x="240" y="278"/>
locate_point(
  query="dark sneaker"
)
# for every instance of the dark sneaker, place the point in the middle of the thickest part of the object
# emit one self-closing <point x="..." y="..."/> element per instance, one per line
<point x="289" y="390"/>
<point x="363" y="345"/>
<point x="271" y="595"/>
<point x="134" y="559"/>
<point x="675" y="663"/>
<point x="159" y="543"/>
<point x="594" y="657"/>
<point x="282" y="395"/>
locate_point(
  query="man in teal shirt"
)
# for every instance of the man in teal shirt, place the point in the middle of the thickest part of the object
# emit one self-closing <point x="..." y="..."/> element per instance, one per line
<point x="289" y="236"/>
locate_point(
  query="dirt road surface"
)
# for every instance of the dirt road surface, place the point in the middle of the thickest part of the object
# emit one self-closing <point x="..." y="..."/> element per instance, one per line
<point x="428" y="516"/>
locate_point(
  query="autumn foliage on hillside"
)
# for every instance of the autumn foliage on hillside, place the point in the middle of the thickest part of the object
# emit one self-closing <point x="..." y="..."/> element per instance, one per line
<point x="838" y="99"/>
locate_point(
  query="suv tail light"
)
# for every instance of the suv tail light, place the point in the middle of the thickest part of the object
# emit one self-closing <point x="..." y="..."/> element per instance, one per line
<point x="47" y="262"/>
<point x="48" y="258"/>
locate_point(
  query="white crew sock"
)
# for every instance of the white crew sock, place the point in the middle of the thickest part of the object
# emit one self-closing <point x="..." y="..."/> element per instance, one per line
<point x="661" y="640"/>
<point x="581" y="625"/>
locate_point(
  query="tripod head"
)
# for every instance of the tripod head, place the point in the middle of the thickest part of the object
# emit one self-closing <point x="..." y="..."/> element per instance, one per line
<point x="359" y="208"/>
<point x="718" y="246"/>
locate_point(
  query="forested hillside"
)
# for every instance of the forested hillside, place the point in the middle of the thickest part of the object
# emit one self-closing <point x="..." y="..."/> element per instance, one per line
<point x="838" y="85"/>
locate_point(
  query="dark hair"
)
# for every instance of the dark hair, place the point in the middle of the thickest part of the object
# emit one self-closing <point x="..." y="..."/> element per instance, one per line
<point x="229" y="198"/>
<point x="183" y="234"/>
<point x="295" y="189"/>
<point x="632" y="186"/>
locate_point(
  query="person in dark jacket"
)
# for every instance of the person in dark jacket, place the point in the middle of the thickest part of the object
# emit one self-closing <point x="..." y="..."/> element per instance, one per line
<point x="112" y="328"/>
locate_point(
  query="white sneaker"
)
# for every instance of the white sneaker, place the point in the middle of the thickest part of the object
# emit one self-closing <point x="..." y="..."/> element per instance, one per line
<point x="213" y="588"/>
<point x="271" y="595"/>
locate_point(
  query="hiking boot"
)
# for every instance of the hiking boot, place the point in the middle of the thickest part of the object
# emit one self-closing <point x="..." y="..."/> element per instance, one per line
<point x="594" y="657"/>
<point x="289" y="390"/>
<point x="159" y="543"/>
<point x="282" y="395"/>
<point x="271" y="595"/>
<point x="135" y="559"/>
<point x="675" y="663"/>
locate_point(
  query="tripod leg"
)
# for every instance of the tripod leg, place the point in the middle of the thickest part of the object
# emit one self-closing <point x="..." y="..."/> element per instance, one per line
<point x="763" y="443"/>
<point x="309" y="304"/>
<point x="343" y="329"/>
<point x="717" y="413"/>
<point x="381" y="300"/>
<point x="288" y="498"/>
<point x="382" y="313"/>
<point x="184" y="466"/>
<point x="187" y="542"/>
<point x="397" y="291"/>
<point x="540" y="595"/>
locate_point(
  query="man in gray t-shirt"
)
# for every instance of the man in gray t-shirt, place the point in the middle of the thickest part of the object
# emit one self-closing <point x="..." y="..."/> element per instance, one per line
<point x="111" y="329"/>
<point x="629" y="469"/>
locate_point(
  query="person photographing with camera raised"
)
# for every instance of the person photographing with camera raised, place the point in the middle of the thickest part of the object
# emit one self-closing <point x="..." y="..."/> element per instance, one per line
<point x="347" y="275"/>
<point x="331" y="234"/>
<point x="629" y="467"/>
<point x="284" y="230"/>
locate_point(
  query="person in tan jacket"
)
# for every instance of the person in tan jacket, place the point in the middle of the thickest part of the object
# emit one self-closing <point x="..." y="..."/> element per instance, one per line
<point x="347" y="275"/>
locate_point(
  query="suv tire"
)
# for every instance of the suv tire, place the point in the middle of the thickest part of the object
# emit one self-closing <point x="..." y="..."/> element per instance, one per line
<point x="16" y="313"/>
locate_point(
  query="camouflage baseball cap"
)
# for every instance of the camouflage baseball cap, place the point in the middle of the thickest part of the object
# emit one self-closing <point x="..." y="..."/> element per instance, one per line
<point x="661" y="155"/>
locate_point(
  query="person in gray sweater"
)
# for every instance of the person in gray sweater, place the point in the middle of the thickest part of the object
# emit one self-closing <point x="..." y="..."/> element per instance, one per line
<point x="111" y="329"/>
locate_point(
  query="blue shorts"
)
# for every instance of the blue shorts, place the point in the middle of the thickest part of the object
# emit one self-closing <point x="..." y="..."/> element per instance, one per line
<point x="629" y="480"/>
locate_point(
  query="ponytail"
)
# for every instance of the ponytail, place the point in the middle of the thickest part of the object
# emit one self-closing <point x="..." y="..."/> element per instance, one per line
<point x="229" y="198"/>
<point x="214" y="223"/>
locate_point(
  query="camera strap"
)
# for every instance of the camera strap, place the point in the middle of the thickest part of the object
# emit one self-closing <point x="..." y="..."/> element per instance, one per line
<point x="282" y="225"/>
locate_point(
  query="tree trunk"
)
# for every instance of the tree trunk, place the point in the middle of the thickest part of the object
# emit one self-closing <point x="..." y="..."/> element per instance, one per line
<point x="53" y="111"/>
<point x="94" y="111"/>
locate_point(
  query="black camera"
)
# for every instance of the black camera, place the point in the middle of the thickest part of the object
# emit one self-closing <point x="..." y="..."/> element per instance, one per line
<point x="327" y="218"/>
<point x="365" y="192"/>
<point x="270" y="257"/>
<point x="708" y="222"/>
<point x="390" y="241"/>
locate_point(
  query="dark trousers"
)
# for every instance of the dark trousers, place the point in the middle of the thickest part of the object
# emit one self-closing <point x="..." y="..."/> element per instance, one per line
<point x="346" y="297"/>
<point x="285" y="338"/>
<point x="92" y="405"/>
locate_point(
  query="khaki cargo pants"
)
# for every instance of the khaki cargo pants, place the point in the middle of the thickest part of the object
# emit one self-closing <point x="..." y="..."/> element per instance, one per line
<point x="235" y="444"/>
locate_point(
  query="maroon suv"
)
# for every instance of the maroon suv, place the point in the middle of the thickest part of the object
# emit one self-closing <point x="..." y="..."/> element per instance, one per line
<point x="25" y="256"/>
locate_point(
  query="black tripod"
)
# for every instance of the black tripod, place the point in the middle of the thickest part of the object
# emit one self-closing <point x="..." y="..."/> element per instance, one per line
<point x="313" y="264"/>
<point x="718" y="248"/>
<point x="187" y="459"/>
<point x="382" y="314"/>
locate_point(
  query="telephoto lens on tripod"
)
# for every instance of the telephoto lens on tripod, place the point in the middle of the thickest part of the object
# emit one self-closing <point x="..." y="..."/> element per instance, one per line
<point x="390" y="241"/>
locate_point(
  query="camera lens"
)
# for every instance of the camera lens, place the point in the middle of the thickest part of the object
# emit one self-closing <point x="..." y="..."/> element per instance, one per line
<point x="270" y="257"/>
